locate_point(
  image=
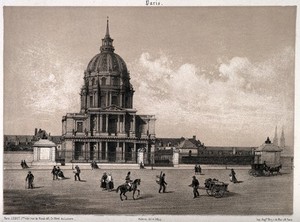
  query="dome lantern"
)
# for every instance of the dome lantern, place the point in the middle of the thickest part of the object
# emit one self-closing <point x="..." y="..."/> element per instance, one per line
<point x="107" y="45"/>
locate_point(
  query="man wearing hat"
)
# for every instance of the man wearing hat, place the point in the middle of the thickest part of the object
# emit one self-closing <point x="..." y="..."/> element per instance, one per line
<point x="30" y="178"/>
<point x="103" y="181"/>
<point x="162" y="183"/>
<point x="128" y="180"/>
<point x="77" y="173"/>
<point x="195" y="185"/>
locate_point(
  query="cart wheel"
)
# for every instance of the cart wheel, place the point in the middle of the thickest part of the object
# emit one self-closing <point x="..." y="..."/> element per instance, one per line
<point x="218" y="193"/>
<point x="209" y="192"/>
<point x="250" y="172"/>
<point x="221" y="193"/>
<point x="267" y="173"/>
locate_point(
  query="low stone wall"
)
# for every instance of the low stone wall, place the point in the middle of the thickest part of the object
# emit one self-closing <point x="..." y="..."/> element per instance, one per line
<point x="17" y="157"/>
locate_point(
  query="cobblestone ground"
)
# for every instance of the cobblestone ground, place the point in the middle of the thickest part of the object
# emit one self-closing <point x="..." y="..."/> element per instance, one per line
<point x="252" y="196"/>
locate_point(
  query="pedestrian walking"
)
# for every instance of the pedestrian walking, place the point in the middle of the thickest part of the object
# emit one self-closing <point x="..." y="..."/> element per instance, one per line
<point x="232" y="177"/>
<point x="162" y="183"/>
<point x="109" y="182"/>
<point x="77" y="173"/>
<point x="29" y="179"/>
<point x="195" y="185"/>
<point x="54" y="173"/>
<point x="103" y="181"/>
<point x="196" y="169"/>
<point x="142" y="166"/>
<point x="199" y="169"/>
<point x="25" y="164"/>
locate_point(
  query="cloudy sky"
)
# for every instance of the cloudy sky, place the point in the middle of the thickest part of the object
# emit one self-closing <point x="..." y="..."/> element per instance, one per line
<point x="224" y="74"/>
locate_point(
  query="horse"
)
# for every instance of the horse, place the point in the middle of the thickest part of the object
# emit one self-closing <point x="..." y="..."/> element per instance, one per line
<point x="275" y="169"/>
<point x="266" y="170"/>
<point x="124" y="188"/>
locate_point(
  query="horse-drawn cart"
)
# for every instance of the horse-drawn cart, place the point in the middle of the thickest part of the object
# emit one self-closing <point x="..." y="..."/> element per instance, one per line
<point x="215" y="187"/>
<point x="258" y="170"/>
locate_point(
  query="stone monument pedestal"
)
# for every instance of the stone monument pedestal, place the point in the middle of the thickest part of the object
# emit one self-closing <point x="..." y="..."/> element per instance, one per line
<point x="44" y="152"/>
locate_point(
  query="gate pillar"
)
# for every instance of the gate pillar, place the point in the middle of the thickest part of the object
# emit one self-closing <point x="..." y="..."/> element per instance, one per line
<point x="140" y="158"/>
<point x="175" y="158"/>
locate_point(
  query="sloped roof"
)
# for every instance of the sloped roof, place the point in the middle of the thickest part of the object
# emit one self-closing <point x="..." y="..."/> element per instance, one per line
<point x="187" y="144"/>
<point x="166" y="141"/>
<point x="269" y="147"/>
<point x="196" y="142"/>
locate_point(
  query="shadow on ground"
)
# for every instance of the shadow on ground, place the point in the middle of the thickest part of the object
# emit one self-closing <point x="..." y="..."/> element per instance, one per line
<point x="27" y="202"/>
<point x="146" y="196"/>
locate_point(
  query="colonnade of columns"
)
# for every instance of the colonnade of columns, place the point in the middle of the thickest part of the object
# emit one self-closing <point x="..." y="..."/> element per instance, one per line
<point x="100" y="123"/>
<point x="106" y="151"/>
<point x="123" y="100"/>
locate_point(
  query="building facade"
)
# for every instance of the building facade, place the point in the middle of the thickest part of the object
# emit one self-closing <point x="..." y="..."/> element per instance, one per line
<point x="269" y="153"/>
<point x="107" y="128"/>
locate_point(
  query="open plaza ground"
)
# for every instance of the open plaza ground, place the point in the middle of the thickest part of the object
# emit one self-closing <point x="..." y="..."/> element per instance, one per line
<point x="271" y="195"/>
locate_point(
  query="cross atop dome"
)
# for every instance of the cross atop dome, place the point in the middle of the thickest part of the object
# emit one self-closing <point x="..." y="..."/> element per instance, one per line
<point x="107" y="45"/>
<point x="107" y="29"/>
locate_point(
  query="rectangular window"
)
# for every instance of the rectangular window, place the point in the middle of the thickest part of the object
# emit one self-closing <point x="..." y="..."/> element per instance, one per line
<point x="103" y="101"/>
<point x="114" y="100"/>
<point x="91" y="101"/>
<point x="79" y="127"/>
<point x="78" y="154"/>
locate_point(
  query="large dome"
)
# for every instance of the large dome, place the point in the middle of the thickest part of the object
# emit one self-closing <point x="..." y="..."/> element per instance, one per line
<point x="107" y="61"/>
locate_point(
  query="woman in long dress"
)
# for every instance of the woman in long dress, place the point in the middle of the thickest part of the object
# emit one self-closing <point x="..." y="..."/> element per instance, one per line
<point x="232" y="176"/>
<point x="103" y="181"/>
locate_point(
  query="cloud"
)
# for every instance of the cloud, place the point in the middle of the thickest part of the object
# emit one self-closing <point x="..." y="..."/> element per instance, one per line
<point x="234" y="102"/>
<point x="243" y="96"/>
<point x="264" y="78"/>
<point x="50" y="80"/>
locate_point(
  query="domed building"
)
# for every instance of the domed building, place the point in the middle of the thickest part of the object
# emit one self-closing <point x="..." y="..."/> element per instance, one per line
<point x="107" y="128"/>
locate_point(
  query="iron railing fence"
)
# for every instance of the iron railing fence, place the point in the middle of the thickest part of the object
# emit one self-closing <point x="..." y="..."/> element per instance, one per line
<point x="220" y="160"/>
<point x="155" y="158"/>
<point x="90" y="156"/>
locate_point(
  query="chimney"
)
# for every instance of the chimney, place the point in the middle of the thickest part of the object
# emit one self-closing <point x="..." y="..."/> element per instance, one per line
<point x="35" y="131"/>
<point x="194" y="137"/>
